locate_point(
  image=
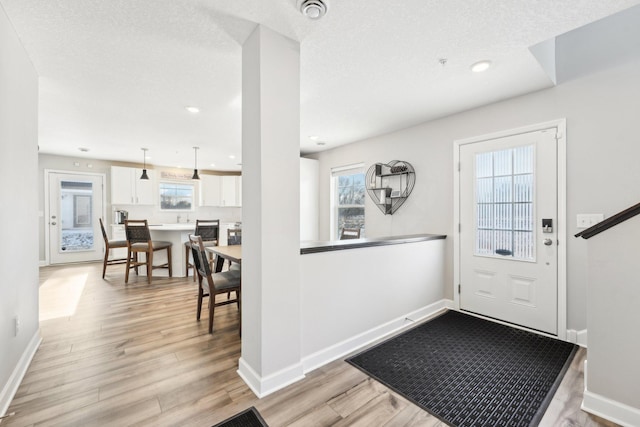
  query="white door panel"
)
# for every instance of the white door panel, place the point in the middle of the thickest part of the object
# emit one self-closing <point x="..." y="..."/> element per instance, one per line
<point x="75" y="204"/>
<point x="508" y="264"/>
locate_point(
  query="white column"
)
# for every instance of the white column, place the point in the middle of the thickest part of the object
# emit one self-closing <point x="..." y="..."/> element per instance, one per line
<point x="271" y="338"/>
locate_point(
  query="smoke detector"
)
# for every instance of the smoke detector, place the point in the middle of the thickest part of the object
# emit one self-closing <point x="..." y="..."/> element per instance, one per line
<point x="313" y="9"/>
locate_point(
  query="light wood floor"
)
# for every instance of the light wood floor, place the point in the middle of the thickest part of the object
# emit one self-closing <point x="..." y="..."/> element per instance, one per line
<point x="116" y="355"/>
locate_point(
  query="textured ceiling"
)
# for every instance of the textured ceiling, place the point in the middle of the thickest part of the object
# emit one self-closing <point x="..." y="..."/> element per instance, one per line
<point x="116" y="75"/>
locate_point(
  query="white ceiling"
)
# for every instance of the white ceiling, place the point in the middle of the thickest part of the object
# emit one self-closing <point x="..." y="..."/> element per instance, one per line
<point x="115" y="75"/>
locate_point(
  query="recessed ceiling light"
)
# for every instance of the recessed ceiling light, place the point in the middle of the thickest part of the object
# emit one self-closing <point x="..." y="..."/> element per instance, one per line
<point x="232" y="156"/>
<point x="321" y="143"/>
<point x="314" y="137"/>
<point x="83" y="149"/>
<point x="481" y="66"/>
<point x="213" y="165"/>
<point x="193" y="110"/>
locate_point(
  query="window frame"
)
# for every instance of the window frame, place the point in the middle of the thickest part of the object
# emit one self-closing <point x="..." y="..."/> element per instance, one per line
<point x="177" y="183"/>
<point x="336" y="172"/>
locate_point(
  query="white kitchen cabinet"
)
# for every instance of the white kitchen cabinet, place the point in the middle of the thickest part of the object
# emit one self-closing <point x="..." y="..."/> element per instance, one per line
<point x="230" y="191"/>
<point x="210" y="190"/>
<point x="128" y="189"/>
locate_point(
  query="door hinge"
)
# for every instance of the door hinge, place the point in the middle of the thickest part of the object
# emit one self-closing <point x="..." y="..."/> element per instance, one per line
<point x="459" y="288"/>
<point x="459" y="227"/>
<point x="458" y="166"/>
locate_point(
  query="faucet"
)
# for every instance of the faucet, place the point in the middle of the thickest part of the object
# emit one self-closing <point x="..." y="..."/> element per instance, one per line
<point x="178" y="220"/>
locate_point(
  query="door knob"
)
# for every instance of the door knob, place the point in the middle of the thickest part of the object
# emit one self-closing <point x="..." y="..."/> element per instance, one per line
<point x="548" y="242"/>
<point x="53" y="223"/>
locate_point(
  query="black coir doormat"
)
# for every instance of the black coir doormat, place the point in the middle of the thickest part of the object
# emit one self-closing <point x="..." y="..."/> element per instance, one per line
<point x="471" y="372"/>
<point x="247" y="418"/>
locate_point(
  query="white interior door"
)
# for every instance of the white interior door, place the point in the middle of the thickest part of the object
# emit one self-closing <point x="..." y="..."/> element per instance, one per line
<point x="508" y="260"/>
<point x="75" y="204"/>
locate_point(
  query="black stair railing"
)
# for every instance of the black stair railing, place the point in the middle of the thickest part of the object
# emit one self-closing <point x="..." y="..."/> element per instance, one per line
<point x="610" y="222"/>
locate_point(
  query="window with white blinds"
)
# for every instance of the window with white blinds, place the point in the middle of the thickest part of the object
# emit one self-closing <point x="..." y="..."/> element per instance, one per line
<point x="504" y="203"/>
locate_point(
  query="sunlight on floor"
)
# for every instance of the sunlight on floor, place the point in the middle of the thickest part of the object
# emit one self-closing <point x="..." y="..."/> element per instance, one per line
<point x="60" y="295"/>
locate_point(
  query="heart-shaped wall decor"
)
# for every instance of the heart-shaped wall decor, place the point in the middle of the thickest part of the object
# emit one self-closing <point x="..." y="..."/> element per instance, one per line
<point x="390" y="184"/>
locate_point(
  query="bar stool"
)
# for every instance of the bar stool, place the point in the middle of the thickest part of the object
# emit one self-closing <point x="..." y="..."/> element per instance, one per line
<point x="139" y="240"/>
<point x="111" y="244"/>
<point x="209" y="231"/>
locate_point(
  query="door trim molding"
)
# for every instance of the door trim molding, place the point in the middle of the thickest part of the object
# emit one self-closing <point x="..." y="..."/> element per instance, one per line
<point x="561" y="147"/>
<point x="46" y="226"/>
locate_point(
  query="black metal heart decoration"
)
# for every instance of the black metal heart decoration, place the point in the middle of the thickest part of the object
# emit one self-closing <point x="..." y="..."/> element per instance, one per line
<point x="390" y="184"/>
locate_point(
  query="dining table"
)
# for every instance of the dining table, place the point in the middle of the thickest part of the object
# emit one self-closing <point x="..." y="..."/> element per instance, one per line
<point x="232" y="253"/>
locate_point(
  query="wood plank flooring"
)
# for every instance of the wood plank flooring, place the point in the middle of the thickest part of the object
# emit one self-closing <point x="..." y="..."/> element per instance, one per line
<point x="135" y="355"/>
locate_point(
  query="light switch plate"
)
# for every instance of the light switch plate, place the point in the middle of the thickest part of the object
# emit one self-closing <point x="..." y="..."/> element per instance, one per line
<point x="588" y="220"/>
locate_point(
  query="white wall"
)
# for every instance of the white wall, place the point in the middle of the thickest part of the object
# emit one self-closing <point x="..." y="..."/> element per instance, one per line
<point x="18" y="216"/>
<point x="351" y="297"/>
<point x="309" y="215"/>
<point x="602" y="171"/>
<point x="613" y="373"/>
<point x="271" y="218"/>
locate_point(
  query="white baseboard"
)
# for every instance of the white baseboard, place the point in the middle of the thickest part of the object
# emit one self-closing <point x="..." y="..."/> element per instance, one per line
<point x="11" y="387"/>
<point x="577" y="337"/>
<point x="611" y="410"/>
<point x="43" y="263"/>
<point x="341" y="349"/>
<point x="263" y="386"/>
<point x="606" y="408"/>
<point x="582" y="338"/>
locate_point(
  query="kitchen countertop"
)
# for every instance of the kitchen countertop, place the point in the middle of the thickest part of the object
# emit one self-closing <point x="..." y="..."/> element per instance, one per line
<point x="173" y="227"/>
<point x="310" y="247"/>
<point x="183" y="226"/>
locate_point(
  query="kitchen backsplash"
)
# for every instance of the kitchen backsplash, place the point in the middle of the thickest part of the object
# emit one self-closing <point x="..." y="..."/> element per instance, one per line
<point x="155" y="216"/>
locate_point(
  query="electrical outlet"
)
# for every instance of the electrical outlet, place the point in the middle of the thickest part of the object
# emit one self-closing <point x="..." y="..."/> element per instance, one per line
<point x="588" y="220"/>
<point x="16" y="324"/>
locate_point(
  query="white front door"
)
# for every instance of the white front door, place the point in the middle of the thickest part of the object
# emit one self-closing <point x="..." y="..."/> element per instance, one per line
<point x="75" y="204"/>
<point x="508" y="259"/>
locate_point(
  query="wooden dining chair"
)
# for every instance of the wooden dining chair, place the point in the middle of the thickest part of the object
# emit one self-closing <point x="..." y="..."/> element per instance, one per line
<point x="139" y="241"/>
<point x="209" y="230"/>
<point x="349" y="233"/>
<point x="234" y="236"/>
<point x="211" y="284"/>
<point x="111" y="244"/>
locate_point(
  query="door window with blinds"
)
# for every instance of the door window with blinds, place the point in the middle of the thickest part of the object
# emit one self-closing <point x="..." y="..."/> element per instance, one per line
<point x="348" y="196"/>
<point x="504" y="196"/>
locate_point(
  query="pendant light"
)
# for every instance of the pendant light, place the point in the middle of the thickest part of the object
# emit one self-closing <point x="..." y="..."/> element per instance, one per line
<point x="195" y="167"/>
<point x="144" y="168"/>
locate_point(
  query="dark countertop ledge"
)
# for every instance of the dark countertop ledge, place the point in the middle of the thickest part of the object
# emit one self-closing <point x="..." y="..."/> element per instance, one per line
<point x="312" y="247"/>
